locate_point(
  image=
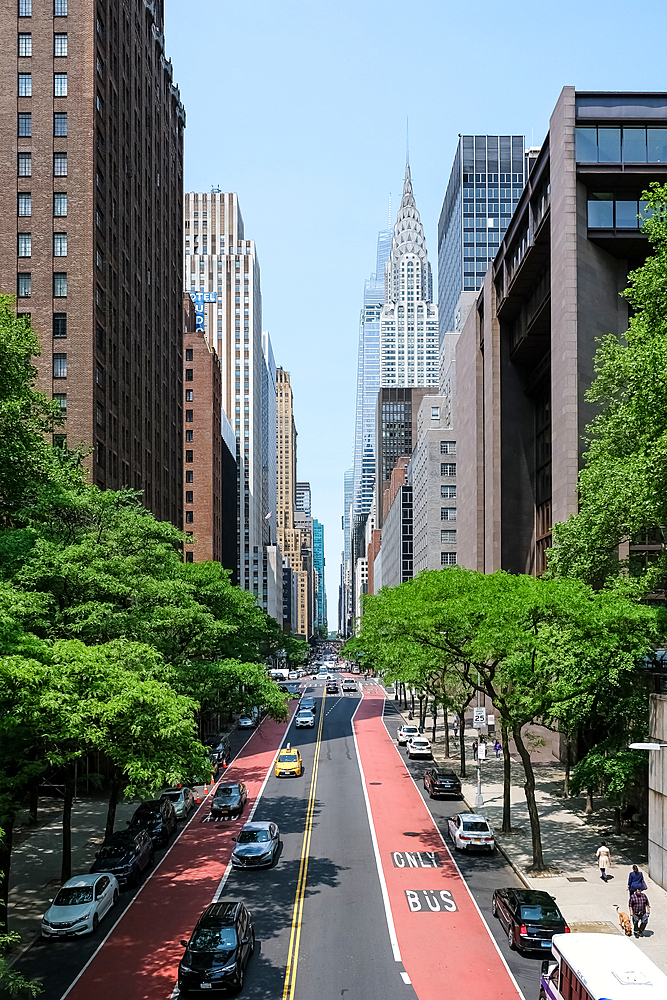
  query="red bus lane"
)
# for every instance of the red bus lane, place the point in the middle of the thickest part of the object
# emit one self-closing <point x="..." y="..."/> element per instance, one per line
<point x="139" y="959"/>
<point x="444" y="943"/>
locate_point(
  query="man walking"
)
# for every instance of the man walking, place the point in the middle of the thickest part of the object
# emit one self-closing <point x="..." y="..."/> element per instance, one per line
<point x="640" y="909"/>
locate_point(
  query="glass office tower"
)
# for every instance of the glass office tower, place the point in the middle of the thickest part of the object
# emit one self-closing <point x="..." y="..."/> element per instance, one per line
<point x="484" y="187"/>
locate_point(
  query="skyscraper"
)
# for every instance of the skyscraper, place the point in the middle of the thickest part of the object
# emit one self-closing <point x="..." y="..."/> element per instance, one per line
<point x="303" y="498"/>
<point x="90" y="230"/>
<point x="409" y="318"/>
<point x="484" y="187"/>
<point x="321" y="626"/>
<point x="368" y="378"/>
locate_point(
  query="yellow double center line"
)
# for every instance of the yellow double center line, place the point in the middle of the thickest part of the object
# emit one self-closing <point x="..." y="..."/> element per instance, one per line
<point x="295" y="934"/>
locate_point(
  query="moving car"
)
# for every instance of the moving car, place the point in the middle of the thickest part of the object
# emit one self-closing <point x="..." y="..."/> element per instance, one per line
<point x="182" y="799"/>
<point x="218" y="951"/>
<point x="530" y="917"/>
<point x="158" y="818"/>
<point x="229" y="800"/>
<point x="248" y="720"/>
<point x="257" y="845"/>
<point x="305" y="719"/>
<point x="419" y="746"/>
<point x="438" y="781"/>
<point x="332" y="687"/>
<point x="221" y="752"/>
<point x="288" y="763"/>
<point x="349" y="684"/>
<point x="404" y="733"/>
<point x="125" y="855"/>
<point x="293" y="675"/>
<point x="471" y="832"/>
<point x="308" y="702"/>
<point x="80" y="905"/>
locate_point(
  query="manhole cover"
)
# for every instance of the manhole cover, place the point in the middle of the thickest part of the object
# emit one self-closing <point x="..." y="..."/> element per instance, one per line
<point x="411" y="834"/>
<point x="576" y="878"/>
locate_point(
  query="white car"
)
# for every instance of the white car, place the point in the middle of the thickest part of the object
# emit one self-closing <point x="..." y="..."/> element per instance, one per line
<point x="80" y="905"/>
<point x="419" y="746"/>
<point x="471" y="832"/>
<point x="305" y="719"/>
<point x="404" y="734"/>
<point x="349" y="684"/>
<point x="248" y="719"/>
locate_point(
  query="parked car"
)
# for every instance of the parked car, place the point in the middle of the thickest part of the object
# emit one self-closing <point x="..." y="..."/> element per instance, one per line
<point x="257" y="845"/>
<point x="349" y="684"/>
<point x="222" y="751"/>
<point x="471" y="832"/>
<point x="419" y="746"/>
<point x="288" y="763"/>
<point x="305" y="719"/>
<point x="293" y="675"/>
<point x="158" y="818"/>
<point x="218" y="951"/>
<point x="182" y="799"/>
<point x="404" y="733"/>
<point x="530" y="917"/>
<point x="125" y="855"/>
<point x="438" y="781"/>
<point x="80" y="905"/>
<point x="229" y="800"/>
<point x="248" y="720"/>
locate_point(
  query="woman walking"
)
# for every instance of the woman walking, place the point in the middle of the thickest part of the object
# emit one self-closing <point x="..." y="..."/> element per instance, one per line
<point x="604" y="861"/>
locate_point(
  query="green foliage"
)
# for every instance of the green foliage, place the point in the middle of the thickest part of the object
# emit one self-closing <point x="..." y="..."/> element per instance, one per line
<point x="623" y="485"/>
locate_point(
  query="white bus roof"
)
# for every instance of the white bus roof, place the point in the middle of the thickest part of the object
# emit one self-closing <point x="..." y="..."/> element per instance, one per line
<point x="611" y="967"/>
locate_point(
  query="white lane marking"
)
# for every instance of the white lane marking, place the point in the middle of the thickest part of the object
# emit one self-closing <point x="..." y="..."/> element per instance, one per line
<point x="376" y="850"/>
<point x="453" y="860"/>
<point x="406" y="979"/>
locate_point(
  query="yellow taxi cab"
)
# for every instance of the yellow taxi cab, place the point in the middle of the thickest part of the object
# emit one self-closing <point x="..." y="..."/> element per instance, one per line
<point x="289" y="763"/>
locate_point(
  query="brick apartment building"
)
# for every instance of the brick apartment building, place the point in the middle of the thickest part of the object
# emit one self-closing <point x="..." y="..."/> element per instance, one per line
<point x="90" y="228"/>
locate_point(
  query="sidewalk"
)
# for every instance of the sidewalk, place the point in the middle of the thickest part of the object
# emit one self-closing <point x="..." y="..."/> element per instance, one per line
<point x="569" y="840"/>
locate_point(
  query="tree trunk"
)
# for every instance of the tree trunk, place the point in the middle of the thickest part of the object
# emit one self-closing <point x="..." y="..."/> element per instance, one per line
<point x="422" y="713"/>
<point x="5" y="860"/>
<point x="435" y="719"/>
<point x="507" y="781"/>
<point x="589" y="801"/>
<point x="617" y="819"/>
<point x="462" y="744"/>
<point x="412" y="703"/>
<point x="34" y="801"/>
<point x="566" y="783"/>
<point x="66" y="865"/>
<point x="444" y="712"/>
<point x="114" y="795"/>
<point x="529" y="786"/>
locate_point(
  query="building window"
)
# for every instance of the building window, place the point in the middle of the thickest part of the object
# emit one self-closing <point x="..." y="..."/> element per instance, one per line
<point x="448" y="468"/>
<point x="60" y="43"/>
<point x="188" y="436"/>
<point x="61" y="397"/>
<point x="24" y="285"/>
<point x="25" y="204"/>
<point x="448" y="513"/>
<point x="25" y="84"/>
<point x="25" y="8"/>
<point x="60" y="284"/>
<point x="60" y="366"/>
<point x="448" y="558"/>
<point x="60" y="84"/>
<point x="189" y="517"/>
<point x="25" y="44"/>
<point x="189" y="374"/>
<point x="188" y="456"/>
<point x="435" y="413"/>
<point x="189" y="557"/>
<point x="25" y="245"/>
<point x="60" y="204"/>
<point x="59" y="325"/>
<point x="448" y="447"/>
<point x="188" y="354"/>
<point x="60" y="244"/>
<point x="189" y="476"/>
<point x="447" y="537"/>
<point x="189" y="396"/>
<point x="60" y="123"/>
<point x="25" y="125"/>
<point x="60" y="164"/>
<point x="189" y="496"/>
<point x="60" y="8"/>
<point x="25" y="164"/>
<point x="189" y="416"/>
<point x="60" y="440"/>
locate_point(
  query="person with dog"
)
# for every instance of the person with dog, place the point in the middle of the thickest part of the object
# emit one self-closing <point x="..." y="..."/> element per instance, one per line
<point x="640" y="909"/>
<point x="604" y="861"/>
<point x="636" y="880"/>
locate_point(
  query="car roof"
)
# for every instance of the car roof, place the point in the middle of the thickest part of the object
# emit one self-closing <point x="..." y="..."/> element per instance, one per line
<point x="532" y="896"/>
<point x="150" y="804"/>
<point x="257" y="825"/>
<point x="81" y="880"/>
<point x="288" y="750"/>
<point x="444" y="772"/>
<point x="475" y="816"/>
<point x="220" y="913"/>
<point x="227" y="784"/>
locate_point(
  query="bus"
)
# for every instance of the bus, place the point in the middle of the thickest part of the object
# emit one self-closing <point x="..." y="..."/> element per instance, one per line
<point x="599" y="967"/>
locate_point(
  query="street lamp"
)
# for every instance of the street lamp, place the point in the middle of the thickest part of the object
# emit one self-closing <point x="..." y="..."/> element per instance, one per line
<point x="647" y="746"/>
<point x="481" y="755"/>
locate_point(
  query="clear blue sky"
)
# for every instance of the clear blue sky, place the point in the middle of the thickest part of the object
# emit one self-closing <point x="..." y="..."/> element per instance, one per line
<point x="300" y="107"/>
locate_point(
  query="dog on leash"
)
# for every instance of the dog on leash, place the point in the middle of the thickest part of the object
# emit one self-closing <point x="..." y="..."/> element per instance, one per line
<point x="624" y="921"/>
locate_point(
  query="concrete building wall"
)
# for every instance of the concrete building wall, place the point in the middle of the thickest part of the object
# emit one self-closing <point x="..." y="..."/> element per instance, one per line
<point x="657" y="792"/>
<point x="434" y="486"/>
<point x="469" y="442"/>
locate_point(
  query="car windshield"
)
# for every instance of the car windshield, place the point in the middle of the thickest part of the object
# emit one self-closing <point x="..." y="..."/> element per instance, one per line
<point x="172" y="796"/>
<point x="420" y="743"/>
<point x="410" y="729"/>
<point x="289" y="757"/>
<point x="305" y="715"/>
<point x="144" y="816"/>
<point x="478" y="826"/>
<point x="445" y="777"/>
<point x="74" y="895"/>
<point x="538" y="911"/>
<point x="213" y="938"/>
<point x="226" y="792"/>
<point x="253" y="837"/>
<point x="114" y="851"/>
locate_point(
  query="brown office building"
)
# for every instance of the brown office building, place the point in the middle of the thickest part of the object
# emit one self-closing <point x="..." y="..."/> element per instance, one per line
<point x="525" y="356"/>
<point x="91" y="228"/>
<point x="396" y="432"/>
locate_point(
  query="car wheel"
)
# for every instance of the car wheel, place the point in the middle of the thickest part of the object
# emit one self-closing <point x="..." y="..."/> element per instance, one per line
<point x="240" y="976"/>
<point x="115" y="897"/>
<point x="96" y="922"/>
<point x="494" y="908"/>
<point x="510" y="939"/>
<point x="252" y="945"/>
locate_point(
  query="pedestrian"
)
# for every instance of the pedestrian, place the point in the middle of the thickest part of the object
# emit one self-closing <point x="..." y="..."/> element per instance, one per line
<point x="474" y="749"/>
<point x="604" y="860"/>
<point x="636" y="880"/>
<point x="640" y="907"/>
<point x="456" y="726"/>
<point x="497" y="747"/>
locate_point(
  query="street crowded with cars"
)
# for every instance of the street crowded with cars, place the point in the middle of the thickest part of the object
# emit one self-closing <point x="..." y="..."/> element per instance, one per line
<point x="342" y="860"/>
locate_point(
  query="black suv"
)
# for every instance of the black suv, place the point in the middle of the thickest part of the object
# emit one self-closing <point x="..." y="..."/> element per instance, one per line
<point x="126" y="854"/>
<point x="157" y="818"/>
<point x="218" y="951"/>
<point x="437" y="782"/>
